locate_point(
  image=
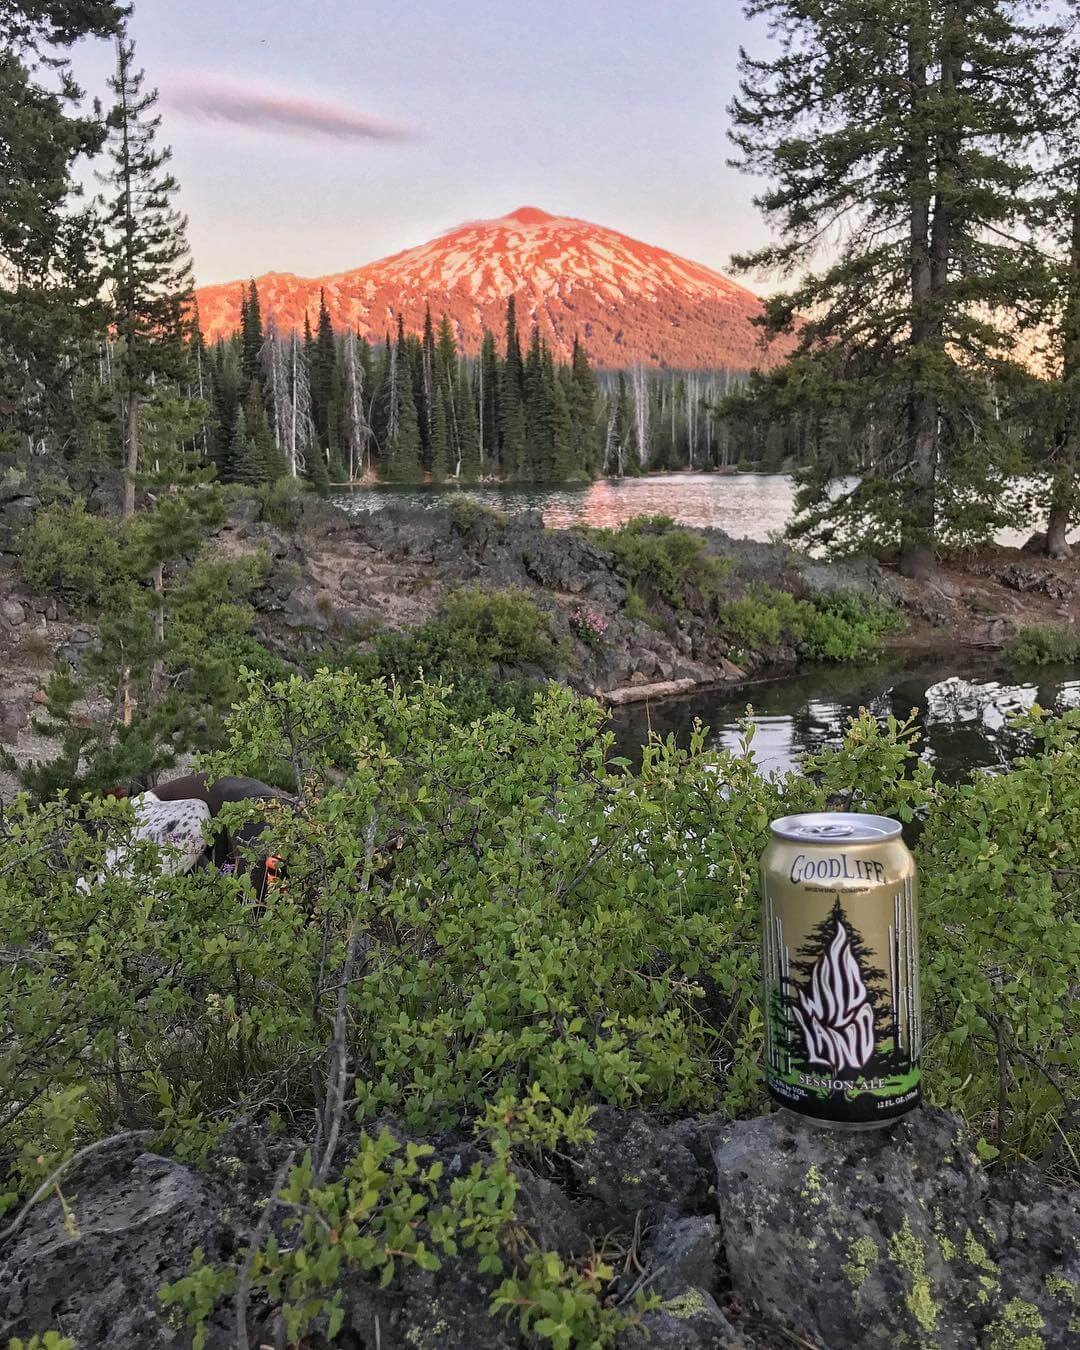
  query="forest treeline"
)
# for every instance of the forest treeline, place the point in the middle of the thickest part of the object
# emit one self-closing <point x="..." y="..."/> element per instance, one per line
<point x="339" y="409"/>
<point x="926" y="208"/>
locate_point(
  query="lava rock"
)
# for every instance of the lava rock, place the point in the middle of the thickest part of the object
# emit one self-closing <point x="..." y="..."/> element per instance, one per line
<point x="637" y="1164"/>
<point x="894" y="1236"/>
<point x="138" y="1218"/>
<point x="11" y="613"/>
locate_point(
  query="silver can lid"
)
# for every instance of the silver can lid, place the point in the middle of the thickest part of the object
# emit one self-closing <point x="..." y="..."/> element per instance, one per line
<point x="836" y="827"/>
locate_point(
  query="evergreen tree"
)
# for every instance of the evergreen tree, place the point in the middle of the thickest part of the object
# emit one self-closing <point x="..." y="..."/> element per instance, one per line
<point x="246" y="463"/>
<point x="403" y="429"/>
<point x="565" y="464"/>
<point x="147" y="262"/>
<point x="1062" y="305"/>
<point x="583" y="398"/>
<point x="50" y="320"/>
<point x="440" y="437"/>
<point x="512" y="426"/>
<point x="322" y="362"/>
<point x="251" y="338"/>
<point x="467" y="467"/>
<point x="903" y="136"/>
<point x="487" y="402"/>
<point x="427" y="399"/>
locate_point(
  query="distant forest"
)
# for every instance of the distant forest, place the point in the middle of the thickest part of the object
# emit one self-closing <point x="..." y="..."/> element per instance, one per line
<point x="336" y="408"/>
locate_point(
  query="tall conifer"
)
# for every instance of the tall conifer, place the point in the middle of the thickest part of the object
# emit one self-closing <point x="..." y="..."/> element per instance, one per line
<point x="148" y="266"/>
<point x="899" y="136"/>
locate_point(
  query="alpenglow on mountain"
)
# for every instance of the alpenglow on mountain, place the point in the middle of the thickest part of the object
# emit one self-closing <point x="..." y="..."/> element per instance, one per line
<point x="629" y="302"/>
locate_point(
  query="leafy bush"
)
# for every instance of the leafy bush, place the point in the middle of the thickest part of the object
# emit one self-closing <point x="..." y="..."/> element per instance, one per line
<point x="497" y="628"/>
<point x="466" y="514"/>
<point x="282" y="501"/>
<point x="664" y="560"/>
<point x="464" y="646"/>
<point x="828" y="627"/>
<point x="511" y="917"/>
<point x="71" y="553"/>
<point x="847" y="627"/>
<point x="1044" y="647"/>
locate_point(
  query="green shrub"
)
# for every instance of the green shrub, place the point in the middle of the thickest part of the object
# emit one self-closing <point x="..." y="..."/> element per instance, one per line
<point x="847" y="627"/>
<point x="664" y="560"/>
<point x="1044" y="647"/>
<point x="829" y="627"/>
<point x="537" y="926"/>
<point x="474" y="634"/>
<point x="466" y="514"/>
<point x="68" y="552"/>
<point x="497" y="628"/>
<point x="282" y="501"/>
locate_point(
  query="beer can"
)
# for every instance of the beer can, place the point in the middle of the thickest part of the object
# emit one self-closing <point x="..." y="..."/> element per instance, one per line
<point x="840" y="960"/>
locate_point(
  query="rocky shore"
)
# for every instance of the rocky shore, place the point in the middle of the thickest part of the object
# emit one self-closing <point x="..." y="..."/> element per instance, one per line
<point x="756" y="1233"/>
<point x="340" y="579"/>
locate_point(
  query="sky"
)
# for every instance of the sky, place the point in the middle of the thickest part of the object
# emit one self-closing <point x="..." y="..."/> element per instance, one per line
<point x="314" y="138"/>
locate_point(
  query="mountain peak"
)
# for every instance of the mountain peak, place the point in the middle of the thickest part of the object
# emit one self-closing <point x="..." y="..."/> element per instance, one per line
<point x="529" y="215"/>
<point x="631" y="303"/>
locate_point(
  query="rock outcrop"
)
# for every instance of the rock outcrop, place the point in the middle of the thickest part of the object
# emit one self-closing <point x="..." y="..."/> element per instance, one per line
<point x="757" y="1233"/>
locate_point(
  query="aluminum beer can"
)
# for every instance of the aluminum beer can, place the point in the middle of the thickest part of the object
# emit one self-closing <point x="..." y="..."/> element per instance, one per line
<point x="840" y="959"/>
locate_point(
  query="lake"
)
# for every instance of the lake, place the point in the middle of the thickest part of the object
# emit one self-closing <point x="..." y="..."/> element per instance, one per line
<point x="965" y="719"/>
<point x="744" y="505"/>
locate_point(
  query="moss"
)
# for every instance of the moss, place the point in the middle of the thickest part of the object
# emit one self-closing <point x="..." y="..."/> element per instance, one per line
<point x="1058" y="1284"/>
<point x="686" y="1305"/>
<point x="909" y="1254"/>
<point x="812" y="1189"/>
<point x="1018" y="1328"/>
<point x="948" y="1247"/>
<point x="862" y="1254"/>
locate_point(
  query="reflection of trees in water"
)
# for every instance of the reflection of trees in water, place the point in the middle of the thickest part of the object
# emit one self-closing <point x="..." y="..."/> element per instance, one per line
<point x="965" y="721"/>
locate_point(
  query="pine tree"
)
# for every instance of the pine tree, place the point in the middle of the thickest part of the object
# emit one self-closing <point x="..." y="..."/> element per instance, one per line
<point x="251" y="338"/>
<point x="1062" y="306"/>
<point x="904" y="138"/>
<point x="403" y="432"/>
<point x="467" y="467"/>
<point x="584" y="397"/>
<point x="440" y="438"/>
<point x="323" y="359"/>
<point x="246" y="463"/>
<point x="512" y="427"/>
<point x="50" y="313"/>
<point x="147" y="263"/>
<point x="427" y="398"/>
<point x="564" y="462"/>
<point x="487" y="402"/>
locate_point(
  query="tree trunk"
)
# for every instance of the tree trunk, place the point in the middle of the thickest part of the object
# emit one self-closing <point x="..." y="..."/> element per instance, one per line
<point x="1063" y="492"/>
<point x="157" y="670"/>
<point x="131" y="463"/>
<point x="917" y="526"/>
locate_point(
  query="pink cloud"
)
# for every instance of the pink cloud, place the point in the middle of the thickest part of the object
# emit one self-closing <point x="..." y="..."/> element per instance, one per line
<point x="219" y="98"/>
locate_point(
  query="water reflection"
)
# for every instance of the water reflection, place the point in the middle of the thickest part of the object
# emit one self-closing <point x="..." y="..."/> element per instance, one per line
<point x="965" y="719"/>
<point x="745" y="505"/>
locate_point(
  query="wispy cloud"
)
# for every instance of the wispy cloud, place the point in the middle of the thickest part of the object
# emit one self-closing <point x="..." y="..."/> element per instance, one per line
<point x="276" y="110"/>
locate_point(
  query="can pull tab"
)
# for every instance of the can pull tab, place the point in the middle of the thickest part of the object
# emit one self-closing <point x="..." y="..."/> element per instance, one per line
<point x="833" y="830"/>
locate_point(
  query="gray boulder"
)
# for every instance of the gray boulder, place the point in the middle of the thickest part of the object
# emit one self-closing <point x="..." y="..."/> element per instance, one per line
<point x="895" y="1237"/>
<point x="137" y="1219"/>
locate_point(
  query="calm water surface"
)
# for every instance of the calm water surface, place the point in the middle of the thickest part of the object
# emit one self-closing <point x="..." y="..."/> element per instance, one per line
<point x="965" y="719"/>
<point x="964" y="710"/>
<point x="744" y="505"/>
